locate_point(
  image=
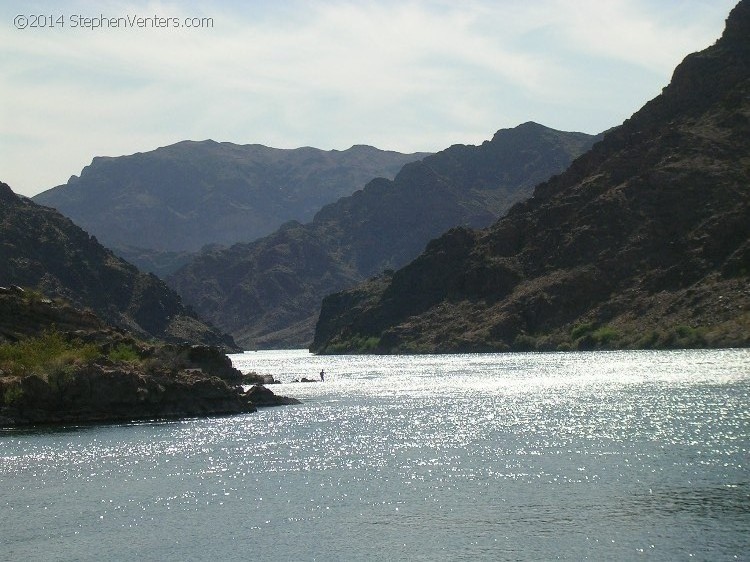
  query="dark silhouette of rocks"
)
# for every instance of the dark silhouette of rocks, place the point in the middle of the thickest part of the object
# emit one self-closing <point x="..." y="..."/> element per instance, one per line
<point x="101" y="393"/>
<point x="43" y="250"/>
<point x="261" y="396"/>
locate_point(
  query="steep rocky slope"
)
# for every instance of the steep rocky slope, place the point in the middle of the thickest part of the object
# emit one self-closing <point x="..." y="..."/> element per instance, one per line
<point x="643" y="242"/>
<point x="182" y="197"/>
<point x="41" y="249"/>
<point x="268" y="293"/>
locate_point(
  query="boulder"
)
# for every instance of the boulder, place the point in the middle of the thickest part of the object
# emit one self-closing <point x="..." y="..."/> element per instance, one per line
<point x="255" y="378"/>
<point x="261" y="396"/>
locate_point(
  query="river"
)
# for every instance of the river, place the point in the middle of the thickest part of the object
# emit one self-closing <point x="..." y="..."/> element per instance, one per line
<point x="522" y="456"/>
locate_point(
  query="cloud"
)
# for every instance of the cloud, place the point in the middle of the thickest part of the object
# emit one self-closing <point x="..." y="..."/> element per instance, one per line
<point x="417" y="75"/>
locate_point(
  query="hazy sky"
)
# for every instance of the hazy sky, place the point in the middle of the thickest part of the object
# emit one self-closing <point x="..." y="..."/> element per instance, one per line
<point x="399" y="75"/>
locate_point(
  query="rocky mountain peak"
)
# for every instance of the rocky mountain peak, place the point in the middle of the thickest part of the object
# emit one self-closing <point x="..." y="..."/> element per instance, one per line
<point x="6" y="193"/>
<point x="737" y="29"/>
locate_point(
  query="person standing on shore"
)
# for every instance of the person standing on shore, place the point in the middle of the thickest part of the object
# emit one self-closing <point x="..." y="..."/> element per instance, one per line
<point x="322" y="375"/>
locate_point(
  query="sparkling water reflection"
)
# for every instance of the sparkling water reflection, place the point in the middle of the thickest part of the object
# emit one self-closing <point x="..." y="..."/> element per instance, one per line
<point x="504" y="457"/>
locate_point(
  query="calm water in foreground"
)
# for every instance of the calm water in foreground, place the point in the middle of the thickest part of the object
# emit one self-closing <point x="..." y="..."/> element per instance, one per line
<point x="620" y="455"/>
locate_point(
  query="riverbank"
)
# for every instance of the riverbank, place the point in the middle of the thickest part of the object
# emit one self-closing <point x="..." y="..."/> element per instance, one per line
<point x="61" y="365"/>
<point x="105" y="391"/>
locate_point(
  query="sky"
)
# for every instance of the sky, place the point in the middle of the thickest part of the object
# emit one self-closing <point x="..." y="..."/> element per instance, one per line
<point x="108" y="78"/>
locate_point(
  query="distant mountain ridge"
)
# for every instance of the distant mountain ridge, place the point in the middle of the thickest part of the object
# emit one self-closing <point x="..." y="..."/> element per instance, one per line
<point x="643" y="242"/>
<point x="181" y="197"/>
<point x="43" y="250"/>
<point x="267" y="293"/>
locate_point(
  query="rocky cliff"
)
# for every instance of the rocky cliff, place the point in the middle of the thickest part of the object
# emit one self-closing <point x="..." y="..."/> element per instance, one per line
<point x="176" y="199"/>
<point x="268" y="293"/>
<point x="43" y="250"/>
<point x="643" y="242"/>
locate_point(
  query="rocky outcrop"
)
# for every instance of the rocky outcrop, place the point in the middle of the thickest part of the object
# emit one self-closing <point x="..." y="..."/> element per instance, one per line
<point x="103" y="393"/>
<point x="643" y="242"/>
<point x="268" y="293"/>
<point x="261" y="396"/>
<point x="25" y="313"/>
<point x="256" y="378"/>
<point x="59" y="364"/>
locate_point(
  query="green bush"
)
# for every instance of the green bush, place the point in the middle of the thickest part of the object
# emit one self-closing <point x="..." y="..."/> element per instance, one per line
<point x="370" y="343"/>
<point x="650" y="340"/>
<point x="686" y="336"/>
<point x="49" y="353"/>
<point x="604" y="335"/>
<point x="355" y="344"/>
<point x="124" y="352"/>
<point x="581" y="330"/>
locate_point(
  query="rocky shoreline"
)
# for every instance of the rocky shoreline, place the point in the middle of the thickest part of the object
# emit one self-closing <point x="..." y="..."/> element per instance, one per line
<point x="61" y="365"/>
<point x="106" y="392"/>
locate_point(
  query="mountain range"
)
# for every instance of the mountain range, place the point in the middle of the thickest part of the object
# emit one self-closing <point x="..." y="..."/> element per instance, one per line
<point x="40" y="249"/>
<point x="155" y="208"/>
<point x="267" y="293"/>
<point x="643" y="242"/>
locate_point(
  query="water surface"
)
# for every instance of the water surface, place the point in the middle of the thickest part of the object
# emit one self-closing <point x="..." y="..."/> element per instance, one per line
<point x="606" y="455"/>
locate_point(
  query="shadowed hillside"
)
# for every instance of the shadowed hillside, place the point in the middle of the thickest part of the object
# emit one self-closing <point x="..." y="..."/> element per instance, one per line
<point x="43" y="250"/>
<point x="643" y="242"/>
<point x="268" y="293"/>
